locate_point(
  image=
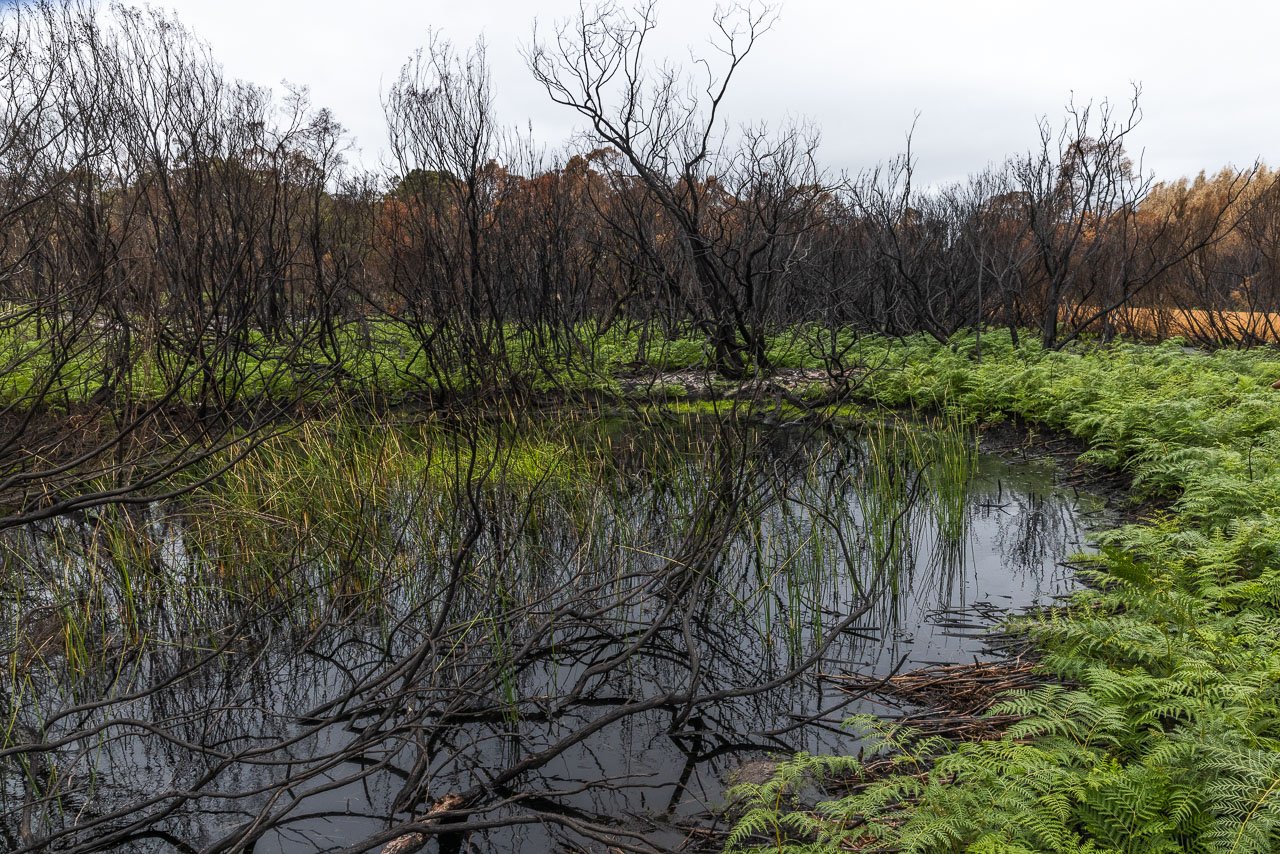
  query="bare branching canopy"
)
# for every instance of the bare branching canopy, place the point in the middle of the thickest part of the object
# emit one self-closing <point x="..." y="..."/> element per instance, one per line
<point x="254" y="398"/>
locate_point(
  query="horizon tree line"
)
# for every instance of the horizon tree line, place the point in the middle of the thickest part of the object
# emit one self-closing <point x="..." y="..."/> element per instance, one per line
<point x="206" y="246"/>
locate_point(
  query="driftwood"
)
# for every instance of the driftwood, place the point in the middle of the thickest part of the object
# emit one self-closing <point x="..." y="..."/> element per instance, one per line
<point x="411" y="842"/>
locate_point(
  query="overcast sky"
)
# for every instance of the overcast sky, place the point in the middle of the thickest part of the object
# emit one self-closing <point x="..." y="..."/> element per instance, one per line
<point x="977" y="73"/>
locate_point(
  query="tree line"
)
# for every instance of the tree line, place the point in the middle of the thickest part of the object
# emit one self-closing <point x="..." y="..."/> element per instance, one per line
<point x="209" y="249"/>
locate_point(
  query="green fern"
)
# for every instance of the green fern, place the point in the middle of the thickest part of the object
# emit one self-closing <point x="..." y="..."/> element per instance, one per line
<point x="1164" y="735"/>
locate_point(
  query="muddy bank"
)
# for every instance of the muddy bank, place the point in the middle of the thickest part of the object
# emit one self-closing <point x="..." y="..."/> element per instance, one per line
<point x="1016" y="439"/>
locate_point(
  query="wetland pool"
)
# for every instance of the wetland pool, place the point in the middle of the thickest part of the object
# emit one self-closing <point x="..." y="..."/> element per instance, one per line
<point x="587" y="635"/>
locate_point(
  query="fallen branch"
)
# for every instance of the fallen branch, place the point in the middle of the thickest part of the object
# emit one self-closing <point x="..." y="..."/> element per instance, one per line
<point x="411" y="842"/>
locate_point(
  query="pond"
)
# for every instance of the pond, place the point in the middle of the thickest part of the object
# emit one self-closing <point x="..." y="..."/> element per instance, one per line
<point x="584" y="629"/>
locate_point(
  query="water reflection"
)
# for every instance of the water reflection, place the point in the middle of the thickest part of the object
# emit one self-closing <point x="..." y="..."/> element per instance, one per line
<point x="585" y="659"/>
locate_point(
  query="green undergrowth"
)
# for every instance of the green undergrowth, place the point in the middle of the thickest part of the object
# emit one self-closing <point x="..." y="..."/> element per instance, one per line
<point x="343" y="490"/>
<point x="1161" y="731"/>
<point x="380" y="356"/>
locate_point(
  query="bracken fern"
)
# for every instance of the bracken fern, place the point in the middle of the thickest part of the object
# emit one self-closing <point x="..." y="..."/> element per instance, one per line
<point x="1162" y="731"/>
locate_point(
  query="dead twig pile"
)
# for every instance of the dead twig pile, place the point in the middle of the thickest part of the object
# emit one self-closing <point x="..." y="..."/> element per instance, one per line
<point x="951" y="700"/>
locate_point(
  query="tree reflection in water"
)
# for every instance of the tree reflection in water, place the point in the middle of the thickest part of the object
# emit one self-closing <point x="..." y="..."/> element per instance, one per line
<point x="579" y="660"/>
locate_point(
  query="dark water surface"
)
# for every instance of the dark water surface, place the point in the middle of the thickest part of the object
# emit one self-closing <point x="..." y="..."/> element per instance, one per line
<point x="316" y="723"/>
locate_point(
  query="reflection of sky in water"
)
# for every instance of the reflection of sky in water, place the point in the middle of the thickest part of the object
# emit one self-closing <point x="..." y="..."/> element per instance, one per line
<point x="1020" y="528"/>
<point x="780" y="579"/>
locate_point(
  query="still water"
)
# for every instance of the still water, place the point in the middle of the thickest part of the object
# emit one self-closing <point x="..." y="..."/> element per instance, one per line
<point x="590" y="658"/>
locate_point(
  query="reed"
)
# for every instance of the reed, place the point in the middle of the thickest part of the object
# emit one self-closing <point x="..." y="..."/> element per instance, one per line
<point x="507" y="554"/>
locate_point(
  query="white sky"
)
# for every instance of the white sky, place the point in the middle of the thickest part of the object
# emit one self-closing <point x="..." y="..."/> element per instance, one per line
<point x="978" y="73"/>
